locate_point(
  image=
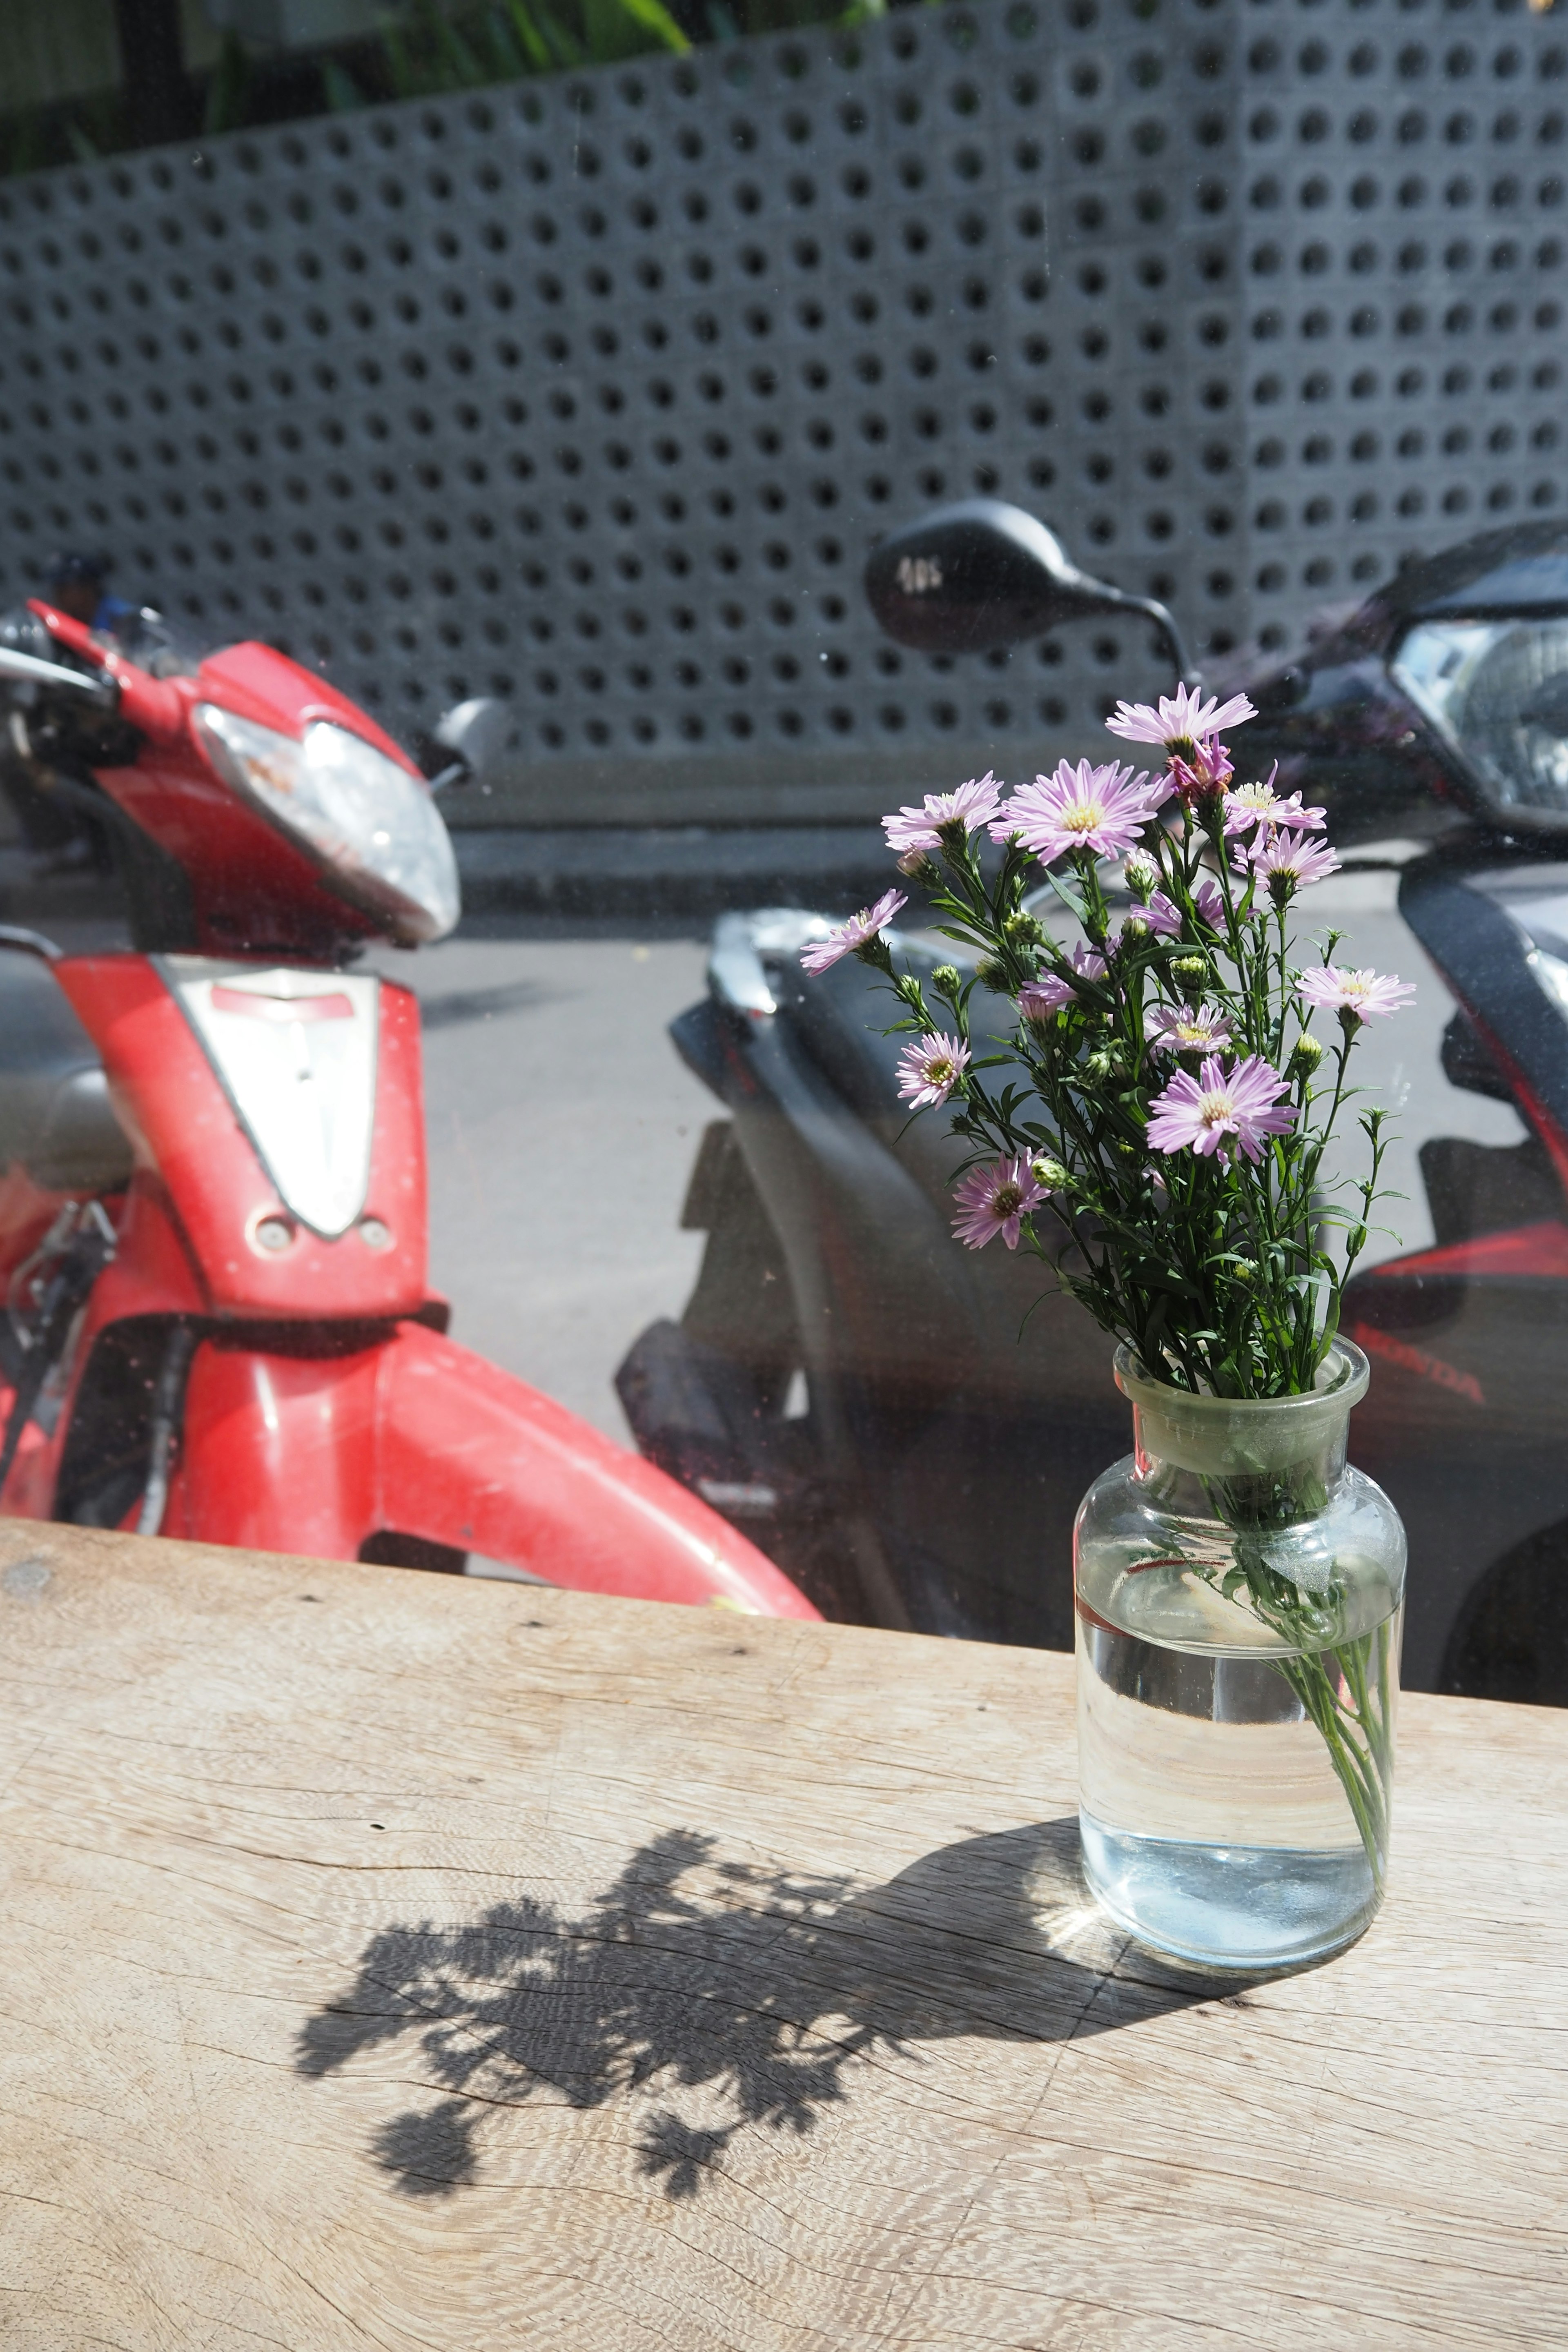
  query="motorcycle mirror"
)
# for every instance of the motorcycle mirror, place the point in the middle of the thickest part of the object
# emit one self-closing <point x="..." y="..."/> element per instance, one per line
<point x="27" y="669"/>
<point x="981" y="573"/>
<point x="475" y="732"/>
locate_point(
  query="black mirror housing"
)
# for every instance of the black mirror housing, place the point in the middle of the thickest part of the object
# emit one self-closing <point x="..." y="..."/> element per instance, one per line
<point x="979" y="574"/>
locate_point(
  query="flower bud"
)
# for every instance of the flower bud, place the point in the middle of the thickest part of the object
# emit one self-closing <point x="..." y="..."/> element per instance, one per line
<point x="1048" y="1172"/>
<point x="944" y="980"/>
<point x="1142" y="872"/>
<point x="920" y="866"/>
<point x="1190" y="966"/>
<point x="1023" y="930"/>
<point x="991" y="974"/>
<point x="1305" y="1055"/>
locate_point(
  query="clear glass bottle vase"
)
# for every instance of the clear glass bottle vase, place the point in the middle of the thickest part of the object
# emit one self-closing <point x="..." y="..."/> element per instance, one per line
<point x="1240" y="1597"/>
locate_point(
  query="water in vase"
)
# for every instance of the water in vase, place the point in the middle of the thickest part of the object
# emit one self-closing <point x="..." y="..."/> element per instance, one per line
<point x="1214" y="1822"/>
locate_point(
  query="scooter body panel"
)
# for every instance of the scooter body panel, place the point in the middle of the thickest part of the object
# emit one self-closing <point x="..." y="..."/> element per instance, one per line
<point x="305" y="1452"/>
<point x="182" y="1122"/>
<point x="472" y="1458"/>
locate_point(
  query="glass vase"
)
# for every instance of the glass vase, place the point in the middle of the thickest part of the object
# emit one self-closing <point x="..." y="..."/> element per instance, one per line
<point x="1239" y="1602"/>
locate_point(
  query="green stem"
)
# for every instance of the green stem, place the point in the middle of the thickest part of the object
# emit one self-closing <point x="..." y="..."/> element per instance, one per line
<point x="1364" y="1772"/>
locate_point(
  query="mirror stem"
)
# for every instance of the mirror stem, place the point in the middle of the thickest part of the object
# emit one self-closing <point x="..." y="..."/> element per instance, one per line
<point x="1170" y="638"/>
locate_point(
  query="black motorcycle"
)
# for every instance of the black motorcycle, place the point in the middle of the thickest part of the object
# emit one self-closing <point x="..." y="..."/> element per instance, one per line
<point x="907" y="1426"/>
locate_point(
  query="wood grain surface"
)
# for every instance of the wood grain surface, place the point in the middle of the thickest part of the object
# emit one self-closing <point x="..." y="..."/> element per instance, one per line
<point x="399" y="1960"/>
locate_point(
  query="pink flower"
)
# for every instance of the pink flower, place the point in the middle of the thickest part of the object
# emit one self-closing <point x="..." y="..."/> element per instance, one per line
<point x="851" y="937"/>
<point x="1288" y="862"/>
<point x="1155" y="915"/>
<point x="1038" y="999"/>
<point x="1203" y="1112"/>
<point x="1187" y="1029"/>
<point x="1102" y="809"/>
<point x="994" y="1200"/>
<point x="913" y="831"/>
<point x="1209" y="901"/>
<point x="1367" y="994"/>
<point x="1181" y="721"/>
<point x="1252" y="805"/>
<point x="1200" y="770"/>
<point x="929" y="1068"/>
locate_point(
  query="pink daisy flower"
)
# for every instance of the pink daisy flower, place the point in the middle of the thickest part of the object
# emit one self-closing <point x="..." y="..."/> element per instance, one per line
<point x="1179" y="722"/>
<point x="1038" y="999"/>
<point x="1202" y="770"/>
<point x="1187" y="1028"/>
<point x="1156" y="915"/>
<point x="1203" y="1113"/>
<point x="1102" y="809"/>
<point x="1367" y="994"/>
<point x="1259" y="804"/>
<point x="1288" y="862"/>
<point x="917" y="831"/>
<point x="929" y="1068"/>
<point x="1210" y="903"/>
<point x="849" y="938"/>
<point x="994" y="1200"/>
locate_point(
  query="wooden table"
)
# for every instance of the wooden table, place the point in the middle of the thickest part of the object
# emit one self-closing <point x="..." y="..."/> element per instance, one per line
<point x="395" y="1960"/>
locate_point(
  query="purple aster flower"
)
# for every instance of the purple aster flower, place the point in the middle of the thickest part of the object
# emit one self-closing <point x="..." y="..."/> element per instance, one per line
<point x="1038" y="999"/>
<point x="916" y="830"/>
<point x="1366" y="994"/>
<point x="1101" y="809"/>
<point x="1251" y="805"/>
<point x="1202" y="770"/>
<point x="1187" y="1028"/>
<point x="929" y="1068"/>
<point x="1288" y="862"/>
<point x="1203" y="1113"/>
<point x="994" y="1200"/>
<point x="1156" y="915"/>
<point x="1209" y="900"/>
<point x="849" y="938"/>
<point x="1181" y="722"/>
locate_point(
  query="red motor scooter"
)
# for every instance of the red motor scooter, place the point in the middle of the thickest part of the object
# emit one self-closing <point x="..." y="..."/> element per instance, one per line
<point x="213" y="1209"/>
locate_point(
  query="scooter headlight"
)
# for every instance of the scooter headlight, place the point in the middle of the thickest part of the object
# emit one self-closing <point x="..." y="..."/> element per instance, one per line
<point x="366" y="822"/>
<point x="1498" y="692"/>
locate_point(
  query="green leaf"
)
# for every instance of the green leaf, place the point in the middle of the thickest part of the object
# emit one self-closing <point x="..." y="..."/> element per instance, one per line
<point x="649" y="26"/>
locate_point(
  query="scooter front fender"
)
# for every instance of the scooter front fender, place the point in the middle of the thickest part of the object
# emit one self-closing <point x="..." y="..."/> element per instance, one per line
<point x="287" y="1452"/>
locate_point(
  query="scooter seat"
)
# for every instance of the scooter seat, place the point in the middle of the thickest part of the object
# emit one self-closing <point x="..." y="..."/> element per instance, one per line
<point x="56" y="1117"/>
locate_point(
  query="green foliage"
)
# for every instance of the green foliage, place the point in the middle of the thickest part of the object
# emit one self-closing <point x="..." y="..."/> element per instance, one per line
<point x="1223" y="1273"/>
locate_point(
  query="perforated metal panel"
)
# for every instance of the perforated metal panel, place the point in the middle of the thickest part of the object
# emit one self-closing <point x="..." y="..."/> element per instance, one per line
<point x="593" y="392"/>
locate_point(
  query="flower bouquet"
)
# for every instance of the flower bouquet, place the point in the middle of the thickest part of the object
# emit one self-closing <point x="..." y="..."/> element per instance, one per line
<point x="1151" y="1116"/>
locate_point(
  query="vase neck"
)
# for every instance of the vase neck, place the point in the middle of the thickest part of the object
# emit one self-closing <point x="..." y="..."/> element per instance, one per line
<point x="1248" y="1484"/>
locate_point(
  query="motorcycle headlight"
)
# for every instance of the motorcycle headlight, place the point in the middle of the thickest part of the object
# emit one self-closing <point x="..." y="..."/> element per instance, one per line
<point x="1498" y="692"/>
<point x="367" y="823"/>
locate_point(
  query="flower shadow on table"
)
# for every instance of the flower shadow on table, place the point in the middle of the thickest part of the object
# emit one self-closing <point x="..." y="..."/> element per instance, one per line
<point x="759" y="1990"/>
